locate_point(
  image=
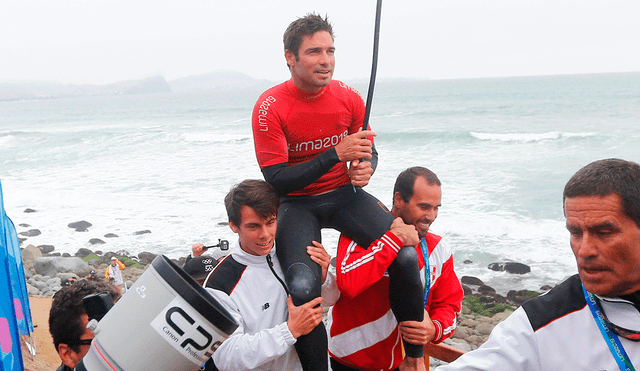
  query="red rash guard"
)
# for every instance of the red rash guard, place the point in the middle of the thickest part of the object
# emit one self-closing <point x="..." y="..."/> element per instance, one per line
<point x="296" y="128"/>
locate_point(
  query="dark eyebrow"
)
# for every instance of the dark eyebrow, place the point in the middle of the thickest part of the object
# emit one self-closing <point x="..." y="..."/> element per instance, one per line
<point x="605" y="225"/>
<point x="310" y="50"/>
<point x="428" y="204"/>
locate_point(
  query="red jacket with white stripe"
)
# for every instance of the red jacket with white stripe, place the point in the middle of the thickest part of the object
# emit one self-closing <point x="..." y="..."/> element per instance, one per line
<point x="363" y="332"/>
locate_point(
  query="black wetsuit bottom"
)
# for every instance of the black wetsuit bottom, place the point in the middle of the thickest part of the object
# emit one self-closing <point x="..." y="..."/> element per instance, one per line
<point x="351" y="211"/>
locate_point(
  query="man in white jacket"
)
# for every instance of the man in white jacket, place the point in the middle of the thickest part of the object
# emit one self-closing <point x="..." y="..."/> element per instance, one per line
<point x="591" y="321"/>
<point x="249" y="283"/>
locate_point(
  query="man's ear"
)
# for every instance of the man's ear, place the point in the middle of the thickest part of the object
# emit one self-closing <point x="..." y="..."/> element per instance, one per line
<point x="397" y="200"/>
<point x="290" y="57"/>
<point x="67" y="355"/>
<point x="234" y="227"/>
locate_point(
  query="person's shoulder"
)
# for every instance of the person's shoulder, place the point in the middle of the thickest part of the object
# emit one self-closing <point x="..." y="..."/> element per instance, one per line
<point x="226" y="275"/>
<point x="275" y="90"/>
<point x="340" y="88"/>
<point x="560" y="301"/>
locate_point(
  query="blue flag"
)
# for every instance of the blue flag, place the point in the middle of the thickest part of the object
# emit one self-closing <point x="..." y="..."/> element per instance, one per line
<point x="15" y="313"/>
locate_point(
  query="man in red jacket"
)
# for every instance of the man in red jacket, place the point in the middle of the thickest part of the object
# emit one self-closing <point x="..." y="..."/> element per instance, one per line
<point x="363" y="328"/>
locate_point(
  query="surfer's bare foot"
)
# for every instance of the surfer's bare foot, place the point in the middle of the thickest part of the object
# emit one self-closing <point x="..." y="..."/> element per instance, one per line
<point x="410" y="364"/>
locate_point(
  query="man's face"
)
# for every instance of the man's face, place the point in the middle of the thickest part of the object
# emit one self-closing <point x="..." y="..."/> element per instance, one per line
<point x="314" y="68"/>
<point x="422" y="208"/>
<point x="70" y="357"/>
<point x="256" y="234"/>
<point x="606" y="244"/>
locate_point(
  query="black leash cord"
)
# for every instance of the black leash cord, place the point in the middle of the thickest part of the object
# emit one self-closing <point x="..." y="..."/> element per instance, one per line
<point x="374" y="66"/>
<point x="270" y="262"/>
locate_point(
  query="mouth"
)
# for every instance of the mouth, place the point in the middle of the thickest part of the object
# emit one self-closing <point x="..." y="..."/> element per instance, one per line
<point x="592" y="270"/>
<point x="323" y="72"/>
<point x="265" y="245"/>
<point x="423" y="225"/>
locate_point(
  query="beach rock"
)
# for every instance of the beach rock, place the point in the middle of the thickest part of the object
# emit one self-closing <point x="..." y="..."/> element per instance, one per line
<point x="66" y="275"/>
<point x="46" y="248"/>
<point x="146" y="257"/>
<point x="137" y="233"/>
<point x="51" y="266"/>
<point x="40" y="286"/>
<point x="30" y="233"/>
<point x="32" y="291"/>
<point x="485" y="290"/>
<point x="223" y="223"/>
<point x="31" y="253"/>
<point x="469" y="280"/>
<point x="27" y="210"/>
<point x="54" y="254"/>
<point x="467" y="262"/>
<point x="21" y="240"/>
<point x="55" y="281"/>
<point x="96" y="241"/>
<point x="466" y="290"/>
<point x="66" y="255"/>
<point x="519" y="297"/>
<point x="82" y="252"/>
<point x="95" y="262"/>
<point x="80" y="226"/>
<point x="24" y="225"/>
<point x="510" y="267"/>
<point x="110" y="235"/>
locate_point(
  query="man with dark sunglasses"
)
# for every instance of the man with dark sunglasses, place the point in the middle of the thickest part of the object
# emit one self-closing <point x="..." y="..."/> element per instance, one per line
<point x="68" y="320"/>
<point x="591" y="321"/>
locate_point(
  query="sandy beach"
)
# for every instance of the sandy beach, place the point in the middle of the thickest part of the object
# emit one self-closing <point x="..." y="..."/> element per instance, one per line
<point x="46" y="357"/>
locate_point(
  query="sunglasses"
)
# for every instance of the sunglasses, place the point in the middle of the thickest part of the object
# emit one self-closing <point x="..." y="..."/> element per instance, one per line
<point x="78" y="342"/>
<point x="620" y="331"/>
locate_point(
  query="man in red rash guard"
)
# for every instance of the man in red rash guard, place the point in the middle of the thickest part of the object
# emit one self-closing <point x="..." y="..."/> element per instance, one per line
<point x="305" y="132"/>
<point x="371" y="339"/>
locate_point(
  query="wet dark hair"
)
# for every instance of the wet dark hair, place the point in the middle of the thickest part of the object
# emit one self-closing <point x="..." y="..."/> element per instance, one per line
<point x="406" y="180"/>
<point x="67" y="308"/>
<point x="301" y="27"/>
<point x="604" y="177"/>
<point x="257" y="194"/>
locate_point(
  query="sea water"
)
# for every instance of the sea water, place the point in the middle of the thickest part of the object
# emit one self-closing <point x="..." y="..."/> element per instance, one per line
<point x="502" y="147"/>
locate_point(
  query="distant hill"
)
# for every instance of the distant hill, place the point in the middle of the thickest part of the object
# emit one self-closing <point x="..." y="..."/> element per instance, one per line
<point x="217" y="80"/>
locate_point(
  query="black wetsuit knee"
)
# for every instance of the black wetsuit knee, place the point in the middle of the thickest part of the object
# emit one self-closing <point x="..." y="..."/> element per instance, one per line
<point x="304" y="285"/>
<point x="405" y="286"/>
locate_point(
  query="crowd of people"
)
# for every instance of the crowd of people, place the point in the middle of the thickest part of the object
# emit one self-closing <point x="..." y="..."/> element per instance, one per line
<point x="395" y="289"/>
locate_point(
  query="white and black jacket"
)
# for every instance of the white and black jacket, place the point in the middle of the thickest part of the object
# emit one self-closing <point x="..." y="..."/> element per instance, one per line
<point x="247" y="287"/>
<point x="555" y="331"/>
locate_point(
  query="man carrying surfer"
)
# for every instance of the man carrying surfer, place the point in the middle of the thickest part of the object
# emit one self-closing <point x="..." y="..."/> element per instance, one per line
<point x="305" y="132"/>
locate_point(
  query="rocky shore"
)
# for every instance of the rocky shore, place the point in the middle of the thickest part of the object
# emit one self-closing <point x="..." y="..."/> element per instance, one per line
<point x="482" y="308"/>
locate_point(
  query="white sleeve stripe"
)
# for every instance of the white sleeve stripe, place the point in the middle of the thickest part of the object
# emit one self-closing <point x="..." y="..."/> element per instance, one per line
<point x="346" y="268"/>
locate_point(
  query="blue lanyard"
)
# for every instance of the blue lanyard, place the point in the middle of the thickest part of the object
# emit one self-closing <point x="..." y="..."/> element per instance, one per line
<point x="427" y="270"/>
<point x="616" y="348"/>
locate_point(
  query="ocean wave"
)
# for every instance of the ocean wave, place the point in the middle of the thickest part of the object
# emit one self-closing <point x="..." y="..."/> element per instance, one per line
<point x="214" y="137"/>
<point x="7" y="140"/>
<point x="528" y="137"/>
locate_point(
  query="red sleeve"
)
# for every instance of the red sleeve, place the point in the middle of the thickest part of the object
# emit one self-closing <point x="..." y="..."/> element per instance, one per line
<point x="444" y="301"/>
<point x="358" y="268"/>
<point x="268" y="138"/>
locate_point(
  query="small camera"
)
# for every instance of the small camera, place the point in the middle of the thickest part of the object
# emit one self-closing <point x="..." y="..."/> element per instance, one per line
<point x="222" y="244"/>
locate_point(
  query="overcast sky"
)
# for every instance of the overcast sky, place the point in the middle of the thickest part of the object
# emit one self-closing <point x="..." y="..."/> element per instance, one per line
<point x="104" y="41"/>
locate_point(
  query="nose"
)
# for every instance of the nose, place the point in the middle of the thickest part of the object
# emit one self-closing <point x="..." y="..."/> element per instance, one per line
<point x="324" y="58"/>
<point x="263" y="231"/>
<point x="584" y="246"/>
<point x="431" y="215"/>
